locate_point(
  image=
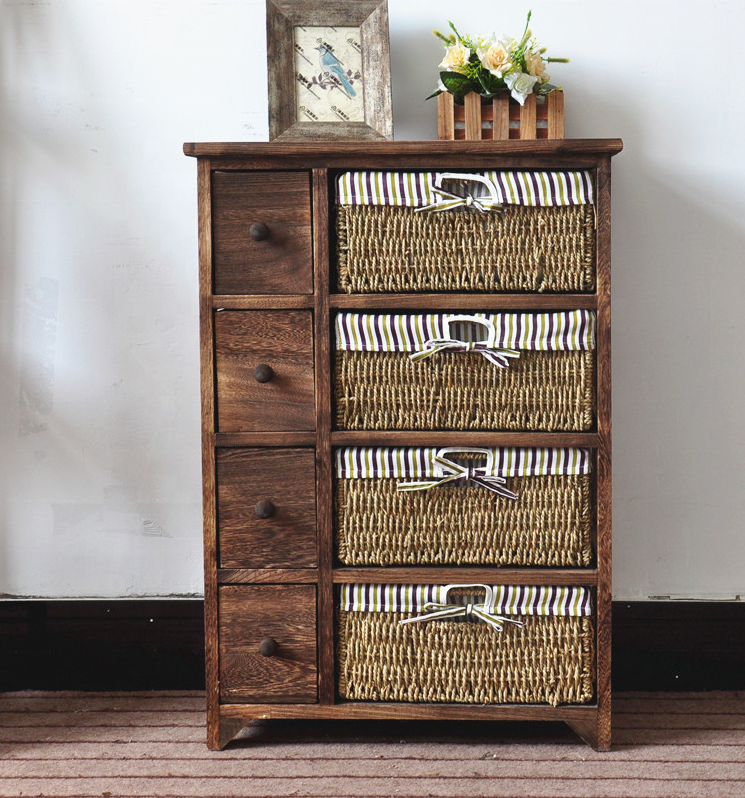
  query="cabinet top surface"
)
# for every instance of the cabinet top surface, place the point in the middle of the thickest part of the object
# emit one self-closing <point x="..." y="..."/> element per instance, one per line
<point x="335" y="151"/>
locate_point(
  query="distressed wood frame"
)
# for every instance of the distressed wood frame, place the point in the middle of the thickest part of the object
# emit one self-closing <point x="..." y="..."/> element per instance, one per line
<point x="371" y="17"/>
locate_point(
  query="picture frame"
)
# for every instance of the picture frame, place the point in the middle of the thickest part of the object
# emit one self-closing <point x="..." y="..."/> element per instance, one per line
<point x="329" y="70"/>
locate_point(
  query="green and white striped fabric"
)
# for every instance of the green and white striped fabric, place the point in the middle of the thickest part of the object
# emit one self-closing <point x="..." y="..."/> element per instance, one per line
<point x="362" y="462"/>
<point x="506" y="599"/>
<point x="368" y="332"/>
<point x="419" y="189"/>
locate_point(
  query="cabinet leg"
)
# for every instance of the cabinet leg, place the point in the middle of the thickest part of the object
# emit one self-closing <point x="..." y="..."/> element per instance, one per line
<point x="592" y="732"/>
<point x="226" y="729"/>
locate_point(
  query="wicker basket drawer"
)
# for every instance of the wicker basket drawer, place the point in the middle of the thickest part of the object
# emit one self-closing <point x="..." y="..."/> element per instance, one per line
<point x="465" y="645"/>
<point x="463" y="506"/>
<point x="477" y="232"/>
<point x="533" y="371"/>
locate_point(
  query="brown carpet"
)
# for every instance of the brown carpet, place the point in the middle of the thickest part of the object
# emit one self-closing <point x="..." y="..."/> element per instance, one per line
<point x="152" y="744"/>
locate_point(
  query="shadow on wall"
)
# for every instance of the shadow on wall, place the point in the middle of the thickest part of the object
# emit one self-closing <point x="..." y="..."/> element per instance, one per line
<point x="99" y="316"/>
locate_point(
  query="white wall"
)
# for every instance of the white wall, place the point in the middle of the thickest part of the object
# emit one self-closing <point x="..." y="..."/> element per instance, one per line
<point x="99" y="425"/>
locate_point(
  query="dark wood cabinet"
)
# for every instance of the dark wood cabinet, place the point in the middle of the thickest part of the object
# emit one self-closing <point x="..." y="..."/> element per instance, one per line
<point x="280" y="274"/>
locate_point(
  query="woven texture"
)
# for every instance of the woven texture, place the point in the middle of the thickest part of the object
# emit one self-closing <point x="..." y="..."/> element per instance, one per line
<point x="389" y="249"/>
<point x="452" y="390"/>
<point x="549" y="660"/>
<point x="547" y="525"/>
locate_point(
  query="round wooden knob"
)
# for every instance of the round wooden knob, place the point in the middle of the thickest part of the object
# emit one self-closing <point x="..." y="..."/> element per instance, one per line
<point x="263" y="372"/>
<point x="268" y="647"/>
<point x="258" y="231"/>
<point x="265" y="509"/>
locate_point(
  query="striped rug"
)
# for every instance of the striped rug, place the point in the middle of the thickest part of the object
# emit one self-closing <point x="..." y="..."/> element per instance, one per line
<point x="152" y="744"/>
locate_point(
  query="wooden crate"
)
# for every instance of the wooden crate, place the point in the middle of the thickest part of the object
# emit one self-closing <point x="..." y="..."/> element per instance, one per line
<point x="502" y="118"/>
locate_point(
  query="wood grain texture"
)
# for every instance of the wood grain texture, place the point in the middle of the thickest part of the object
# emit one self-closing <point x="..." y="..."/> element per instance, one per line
<point x="247" y="615"/>
<point x="280" y="264"/>
<point x="361" y="710"/>
<point x="209" y="494"/>
<point x="319" y="154"/>
<point x="282" y="340"/>
<point x="322" y="335"/>
<point x="419" y="438"/>
<point x="261" y="302"/>
<point x="555" y="127"/>
<point x="225" y="439"/>
<point x="472" y="107"/>
<point x="287" y="478"/>
<point x="421" y="575"/>
<point x="272" y="576"/>
<point x="604" y="456"/>
<point x="528" y="118"/>
<point x="501" y="117"/>
<point x="440" y="302"/>
<point x="445" y="117"/>
<point x="376" y="71"/>
<point x="280" y="56"/>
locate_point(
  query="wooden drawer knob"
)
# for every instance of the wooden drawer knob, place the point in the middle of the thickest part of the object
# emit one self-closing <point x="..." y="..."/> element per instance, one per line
<point x="263" y="372"/>
<point x="258" y="231"/>
<point x="268" y="647"/>
<point x="265" y="509"/>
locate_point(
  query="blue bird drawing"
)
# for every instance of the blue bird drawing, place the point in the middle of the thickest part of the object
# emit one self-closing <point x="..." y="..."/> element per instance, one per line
<point x="330" y="63"/>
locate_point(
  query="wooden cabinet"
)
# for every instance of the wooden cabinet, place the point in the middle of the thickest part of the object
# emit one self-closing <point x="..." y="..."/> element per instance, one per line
<point x="312" y="378"/>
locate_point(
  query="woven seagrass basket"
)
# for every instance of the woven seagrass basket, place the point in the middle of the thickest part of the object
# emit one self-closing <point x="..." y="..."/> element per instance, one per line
<point x="397" y="250"/>
<point x="451" y="390"/>
<point x="549" y="660"/>
<point x="549" y="524"/>
<point x="390" y="248"/>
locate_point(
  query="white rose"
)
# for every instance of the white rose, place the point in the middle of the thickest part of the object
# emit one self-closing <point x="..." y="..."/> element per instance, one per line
<point x="456" y="58"/>
<point x="520" y="85"/>
<point x="495" y="58"/>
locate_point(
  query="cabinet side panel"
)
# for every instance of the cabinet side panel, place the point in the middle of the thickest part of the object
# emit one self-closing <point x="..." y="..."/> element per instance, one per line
<point x="208" y="450"/>
<point x="604" y="496"/>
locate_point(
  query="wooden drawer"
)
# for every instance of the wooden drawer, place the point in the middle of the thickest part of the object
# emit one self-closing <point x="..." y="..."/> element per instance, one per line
<point x="261" y="233"/>
<point x="281" y="340"/>
<point x="249" y="617"/>
<point x="266" y="508"/>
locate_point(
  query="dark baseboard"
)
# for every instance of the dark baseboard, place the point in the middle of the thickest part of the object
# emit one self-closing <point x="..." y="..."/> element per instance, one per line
<point x="158" y="645"/>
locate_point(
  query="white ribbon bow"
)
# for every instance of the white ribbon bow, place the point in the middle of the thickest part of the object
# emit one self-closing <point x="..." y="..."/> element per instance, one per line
<point x="446" y="200"/>
<point x="499" y="357"/>
<point x="455" y="472"/>
<point x="433" y="611"/>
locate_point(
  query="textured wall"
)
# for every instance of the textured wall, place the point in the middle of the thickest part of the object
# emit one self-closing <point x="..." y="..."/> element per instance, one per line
<point x="99" y="408"/>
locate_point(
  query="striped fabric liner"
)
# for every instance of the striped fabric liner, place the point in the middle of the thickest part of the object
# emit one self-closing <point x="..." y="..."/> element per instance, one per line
<point x="367" y="332"/>
<point x="416" y="189"/>
<point x="508" y="599"/>
<point x="360" y="462"/>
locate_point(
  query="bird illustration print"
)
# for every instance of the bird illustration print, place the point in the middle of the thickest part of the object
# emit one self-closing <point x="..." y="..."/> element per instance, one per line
<point x="331" y="66"/>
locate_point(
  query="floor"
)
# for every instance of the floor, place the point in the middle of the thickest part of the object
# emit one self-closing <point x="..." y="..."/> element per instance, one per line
<point x="672" y="745"/>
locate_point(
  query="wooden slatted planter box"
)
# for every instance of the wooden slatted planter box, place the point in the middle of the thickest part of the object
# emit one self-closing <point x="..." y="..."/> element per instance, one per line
<point x="502" y="118"/>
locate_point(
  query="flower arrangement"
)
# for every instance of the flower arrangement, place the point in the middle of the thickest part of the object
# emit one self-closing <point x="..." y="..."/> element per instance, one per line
<point x="489" y="66"/>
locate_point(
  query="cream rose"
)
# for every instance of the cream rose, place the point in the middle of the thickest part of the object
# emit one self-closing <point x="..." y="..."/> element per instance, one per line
<point x="520" y="85"/>
<point x="456" y="58"/>
<point x="536" y="67"/>
<point x="495" y="58"/>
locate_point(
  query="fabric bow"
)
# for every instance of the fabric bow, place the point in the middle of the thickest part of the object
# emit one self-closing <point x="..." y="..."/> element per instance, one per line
<point x="447" y="201"/>
<point x="499" y="357"/>
<point x="455" y="472"/>
<point x="433" y="611"/>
